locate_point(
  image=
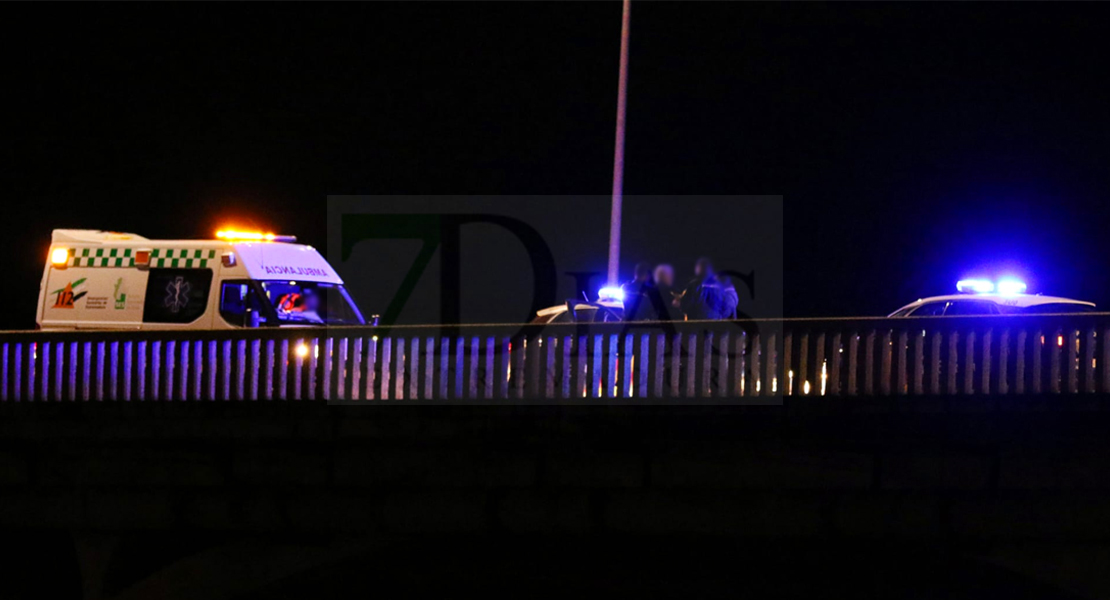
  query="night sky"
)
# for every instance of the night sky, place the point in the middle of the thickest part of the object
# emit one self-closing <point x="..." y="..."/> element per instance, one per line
<point x="912" y="143"/>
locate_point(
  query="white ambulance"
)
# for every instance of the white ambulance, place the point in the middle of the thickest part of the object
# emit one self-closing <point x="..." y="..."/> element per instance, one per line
<point x="108" y="280"/>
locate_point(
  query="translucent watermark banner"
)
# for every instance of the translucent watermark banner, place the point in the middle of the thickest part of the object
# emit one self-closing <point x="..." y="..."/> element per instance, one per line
<point x="495" y="298"/>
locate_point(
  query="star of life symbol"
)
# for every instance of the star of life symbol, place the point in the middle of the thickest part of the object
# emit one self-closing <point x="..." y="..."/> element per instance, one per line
<point x="177" y="294"/>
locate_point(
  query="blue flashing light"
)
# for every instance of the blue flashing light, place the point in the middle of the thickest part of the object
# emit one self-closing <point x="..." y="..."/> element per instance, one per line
<point x="978" y="286"/>
<point x="1011" y="287"/>
<point x="612" y="293"/>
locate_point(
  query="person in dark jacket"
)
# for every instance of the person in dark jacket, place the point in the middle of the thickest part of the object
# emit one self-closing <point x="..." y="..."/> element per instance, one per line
<point x="638" y="295"/>
<point x="707" y="296"/>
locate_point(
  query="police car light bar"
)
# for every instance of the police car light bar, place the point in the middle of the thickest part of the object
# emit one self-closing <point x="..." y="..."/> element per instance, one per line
<point x="252" y="236"/>
<point x="978" y="286"/>
<point x="611" y="293"/>
<point x="1011" y="286"/>
<point x="1006" y="287"/>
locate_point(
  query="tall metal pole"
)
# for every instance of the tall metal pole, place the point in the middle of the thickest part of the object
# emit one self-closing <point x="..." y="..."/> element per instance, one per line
<point x="618" y="156"/>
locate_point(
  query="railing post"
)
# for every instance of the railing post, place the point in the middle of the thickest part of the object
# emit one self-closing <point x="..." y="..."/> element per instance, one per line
<point x="820" y="369"/>
<point x="474" y="377"/>
<point x="313" y="368"/>
<point x="171" y="347"/>
<point x="413" y="368"/>
<point x="969" y="363"/>
<point x="721" y="349"/>
<point x="835" y="363"/>
<point x="198" y="369"/>
<point x="550" y="349"/>
<point x="399" y="368"/>
<point x="113" y="372"/>
<point x="59" y="370"/>
<point x="1054" y="368"/>
<point x="1038" y="357"/>
<point x="953" y="363"/>
<point x="900" y="380"/>
<point x="430" y="367"/>
<point x="298" y="369"/>
<point x="885" y="367"/>
<point x="128" y="372"/>
<point x="759" y="387"/>
<point x="444" y="360"/>
<point x="17" y="380"/>
<point x="869" y="363"/>
<point x="226" y="366"/>
<point x="326" y="375"/>
<point x="1019" y="368"/>
<point x="1004" y="362"/>
<point x="1073" y="361"/>
<point x="504" y="363"/>
<point x="917" y="365"/>
<point x="372" y="368"/>
<point x="1089" y="360"/>
<point x="853" y="363"/>
<point x="86" y="371"/>
<point x="45" y="380"/>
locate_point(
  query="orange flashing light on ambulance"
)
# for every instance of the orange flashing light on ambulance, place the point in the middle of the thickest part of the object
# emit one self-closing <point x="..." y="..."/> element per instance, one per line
<point x="108" y="280"/>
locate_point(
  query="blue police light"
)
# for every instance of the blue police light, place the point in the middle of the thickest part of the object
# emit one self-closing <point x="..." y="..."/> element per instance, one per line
<point x="611" y="293"/>
<point x="978" y="286"/>
<point x="1011" y="287"/>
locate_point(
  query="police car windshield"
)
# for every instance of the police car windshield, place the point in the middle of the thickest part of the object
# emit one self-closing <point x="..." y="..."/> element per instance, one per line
<point x="311" y="303"/>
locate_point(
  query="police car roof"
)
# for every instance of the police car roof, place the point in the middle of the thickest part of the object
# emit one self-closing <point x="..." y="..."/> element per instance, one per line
<point x="559" y="308"/>
<point x="1015" y="300"/>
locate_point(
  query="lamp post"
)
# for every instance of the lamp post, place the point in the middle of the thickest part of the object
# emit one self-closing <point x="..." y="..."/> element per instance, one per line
<point x="618" y="155"/>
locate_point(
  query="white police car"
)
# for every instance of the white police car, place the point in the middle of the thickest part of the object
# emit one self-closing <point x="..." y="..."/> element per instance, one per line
<point x="984" y="297"/>
<point x="609" y="308"/>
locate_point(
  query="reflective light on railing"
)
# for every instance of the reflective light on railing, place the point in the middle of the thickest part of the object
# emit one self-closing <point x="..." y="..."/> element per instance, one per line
<point x="790" y="381"/>
<point x="1060" y="341"/>
<point x="824" y="376"/>
<point x="301" y="350"/>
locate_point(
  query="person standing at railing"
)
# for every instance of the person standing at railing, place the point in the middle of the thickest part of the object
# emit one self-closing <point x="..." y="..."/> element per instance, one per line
<point x="707" y="296"/>
<point x="638" y="294"/>
<point x="666" y="307"/>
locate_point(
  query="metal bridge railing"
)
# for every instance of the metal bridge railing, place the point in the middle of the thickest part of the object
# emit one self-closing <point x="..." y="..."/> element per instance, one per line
<point x="691" y="361"/>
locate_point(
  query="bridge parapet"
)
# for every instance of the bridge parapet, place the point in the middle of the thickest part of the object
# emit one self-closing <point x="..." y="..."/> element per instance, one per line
<point x="754" y="361"/>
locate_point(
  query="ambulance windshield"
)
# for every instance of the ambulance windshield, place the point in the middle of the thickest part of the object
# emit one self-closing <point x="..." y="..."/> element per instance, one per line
<point x="311" y="303"/>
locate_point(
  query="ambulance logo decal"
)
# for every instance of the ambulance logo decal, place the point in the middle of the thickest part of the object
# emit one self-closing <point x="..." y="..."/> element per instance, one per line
<point x="119" y="295"/>
<point x="177" y="294"/>
<point x="65" y="297"/>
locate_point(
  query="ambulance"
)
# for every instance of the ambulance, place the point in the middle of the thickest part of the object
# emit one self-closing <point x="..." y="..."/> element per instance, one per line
<point x="109" y="280"/>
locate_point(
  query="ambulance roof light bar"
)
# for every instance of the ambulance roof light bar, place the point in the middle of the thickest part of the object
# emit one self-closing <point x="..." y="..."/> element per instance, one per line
<point x="253" y="236"/>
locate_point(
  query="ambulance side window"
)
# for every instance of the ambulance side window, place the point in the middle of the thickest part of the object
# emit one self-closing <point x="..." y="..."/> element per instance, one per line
<point x="176" y="295"/>
<point x="236" y="297"/>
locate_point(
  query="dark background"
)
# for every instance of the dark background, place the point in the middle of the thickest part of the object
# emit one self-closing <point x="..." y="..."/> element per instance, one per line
<point x="913" y="143"/>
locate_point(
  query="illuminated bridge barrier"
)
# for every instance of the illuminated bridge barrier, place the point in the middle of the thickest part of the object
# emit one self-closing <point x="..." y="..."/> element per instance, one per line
<point x="735" y="361"/>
